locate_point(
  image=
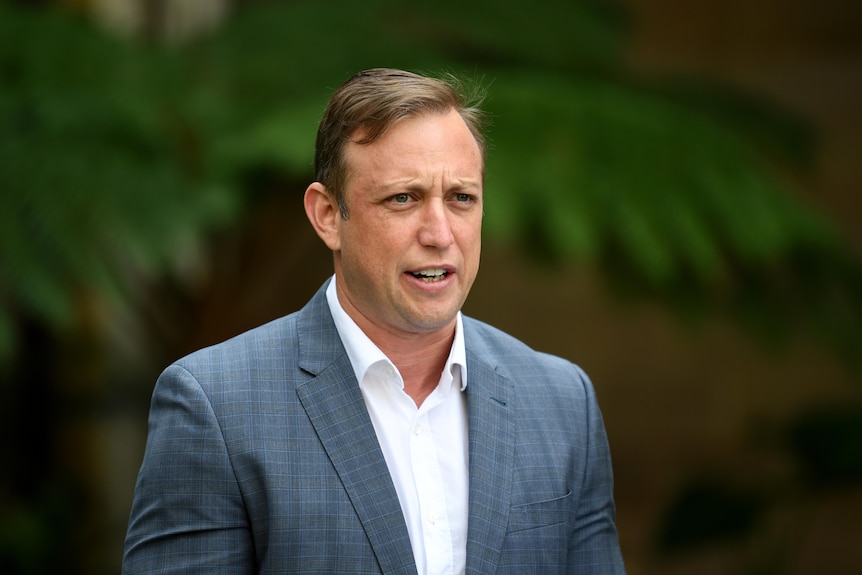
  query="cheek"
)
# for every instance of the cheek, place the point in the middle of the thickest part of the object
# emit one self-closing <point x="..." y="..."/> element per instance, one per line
<point x="371" y="246"/>
<point x="470" y="236"/>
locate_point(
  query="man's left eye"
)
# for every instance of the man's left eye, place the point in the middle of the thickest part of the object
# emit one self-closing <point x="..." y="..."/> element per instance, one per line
<point x="462" y="197"/>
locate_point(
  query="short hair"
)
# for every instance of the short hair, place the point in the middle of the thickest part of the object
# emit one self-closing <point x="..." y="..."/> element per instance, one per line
<point x="373" y="101"/>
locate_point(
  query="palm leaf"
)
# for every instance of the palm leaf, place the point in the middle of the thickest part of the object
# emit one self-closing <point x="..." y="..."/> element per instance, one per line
<point x="114" y="154"/>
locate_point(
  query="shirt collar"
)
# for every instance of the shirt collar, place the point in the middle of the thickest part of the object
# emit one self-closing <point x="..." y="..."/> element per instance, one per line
<point x="363" y="353"/>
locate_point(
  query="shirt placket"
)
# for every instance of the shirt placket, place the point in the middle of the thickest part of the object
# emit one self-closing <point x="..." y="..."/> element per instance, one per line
<point x="435" y="520"/>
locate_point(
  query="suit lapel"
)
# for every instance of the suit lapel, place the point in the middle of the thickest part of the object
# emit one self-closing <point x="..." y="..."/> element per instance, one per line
<point x="334" y="404"/>
<point x="337" y="411"/>
<point x="491" y="440"/>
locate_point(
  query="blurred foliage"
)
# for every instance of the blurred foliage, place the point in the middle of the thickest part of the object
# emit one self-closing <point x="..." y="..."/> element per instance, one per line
<point x="100" y="179"/>
<point x="116" y="158"/>
<point x="119" y="159"/>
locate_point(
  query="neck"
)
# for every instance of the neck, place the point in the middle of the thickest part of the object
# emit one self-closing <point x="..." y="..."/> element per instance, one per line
<point x="420" y="362"/>
<point x="418" y="356"/>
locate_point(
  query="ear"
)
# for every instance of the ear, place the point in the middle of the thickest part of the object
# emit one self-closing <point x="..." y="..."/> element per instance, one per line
<point x="324" y="215"/>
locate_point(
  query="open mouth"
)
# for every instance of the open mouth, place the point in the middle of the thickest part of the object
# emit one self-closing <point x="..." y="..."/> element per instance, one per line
<point x="431" y="275"/>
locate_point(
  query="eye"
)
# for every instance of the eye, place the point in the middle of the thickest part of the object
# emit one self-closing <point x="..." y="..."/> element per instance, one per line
<point x="401" y="198"/>
<point x="464" y="199"/>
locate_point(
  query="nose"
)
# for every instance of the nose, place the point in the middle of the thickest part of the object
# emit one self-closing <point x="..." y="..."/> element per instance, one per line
<point x="435" y="230"/>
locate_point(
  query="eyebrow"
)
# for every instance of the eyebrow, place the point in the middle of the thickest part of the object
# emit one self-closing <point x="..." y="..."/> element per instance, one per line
<point x="414" y="184"/>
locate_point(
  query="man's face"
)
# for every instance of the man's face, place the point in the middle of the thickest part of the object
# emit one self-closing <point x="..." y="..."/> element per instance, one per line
<point x="408" y="253"/>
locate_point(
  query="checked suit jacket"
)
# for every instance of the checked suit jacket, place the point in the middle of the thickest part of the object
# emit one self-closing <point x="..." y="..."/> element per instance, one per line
<point x="261" y="458"/>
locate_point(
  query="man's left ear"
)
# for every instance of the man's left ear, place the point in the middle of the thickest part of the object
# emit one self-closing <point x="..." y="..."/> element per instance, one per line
<point x="322" y="211"/>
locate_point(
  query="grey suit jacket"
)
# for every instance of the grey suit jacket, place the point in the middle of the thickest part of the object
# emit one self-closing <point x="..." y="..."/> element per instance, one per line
<point x="261" y="458"/>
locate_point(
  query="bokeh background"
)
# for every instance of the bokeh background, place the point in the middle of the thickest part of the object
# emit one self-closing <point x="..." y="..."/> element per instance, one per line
<point x="672" y="202"/>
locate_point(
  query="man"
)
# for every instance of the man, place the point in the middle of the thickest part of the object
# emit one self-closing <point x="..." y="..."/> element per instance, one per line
<point x="377" y="430"/>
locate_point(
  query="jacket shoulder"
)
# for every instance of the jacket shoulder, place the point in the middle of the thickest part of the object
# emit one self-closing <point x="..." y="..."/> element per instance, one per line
<point x="511" y="356"/>
<point x="280" y="344"/>
<point x="269" y="340"/>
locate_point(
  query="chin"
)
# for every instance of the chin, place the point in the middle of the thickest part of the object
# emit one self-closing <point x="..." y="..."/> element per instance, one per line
<point x="432" y="323"/>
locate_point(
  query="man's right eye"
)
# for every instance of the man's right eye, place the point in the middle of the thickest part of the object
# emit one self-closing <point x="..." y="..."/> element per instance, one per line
<point x="401" y="198"/>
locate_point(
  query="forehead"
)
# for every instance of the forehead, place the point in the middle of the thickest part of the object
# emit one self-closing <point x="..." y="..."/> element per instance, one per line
<point x="425" y="142"/>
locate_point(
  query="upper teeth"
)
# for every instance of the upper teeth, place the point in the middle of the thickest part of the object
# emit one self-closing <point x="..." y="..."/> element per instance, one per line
<point x="430" y="273"/>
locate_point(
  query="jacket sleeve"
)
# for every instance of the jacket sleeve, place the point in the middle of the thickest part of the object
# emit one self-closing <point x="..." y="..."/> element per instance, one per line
<point x="187" y="514"/>
<point x="593" y="543"/>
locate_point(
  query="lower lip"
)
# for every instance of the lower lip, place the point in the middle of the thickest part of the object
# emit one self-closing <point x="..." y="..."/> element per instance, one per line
<point x="431" y="286"/>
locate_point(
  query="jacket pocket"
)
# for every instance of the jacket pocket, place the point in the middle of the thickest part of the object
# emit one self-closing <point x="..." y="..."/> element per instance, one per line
<point x="540" y="514"/>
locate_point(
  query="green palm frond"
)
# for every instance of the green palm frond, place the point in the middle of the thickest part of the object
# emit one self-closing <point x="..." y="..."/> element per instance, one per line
<point x="114" y="154"/>
<point x="96" y="180"/>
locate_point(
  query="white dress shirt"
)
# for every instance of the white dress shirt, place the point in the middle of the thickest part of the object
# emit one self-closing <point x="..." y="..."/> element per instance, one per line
<point x="425" y="448"/>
